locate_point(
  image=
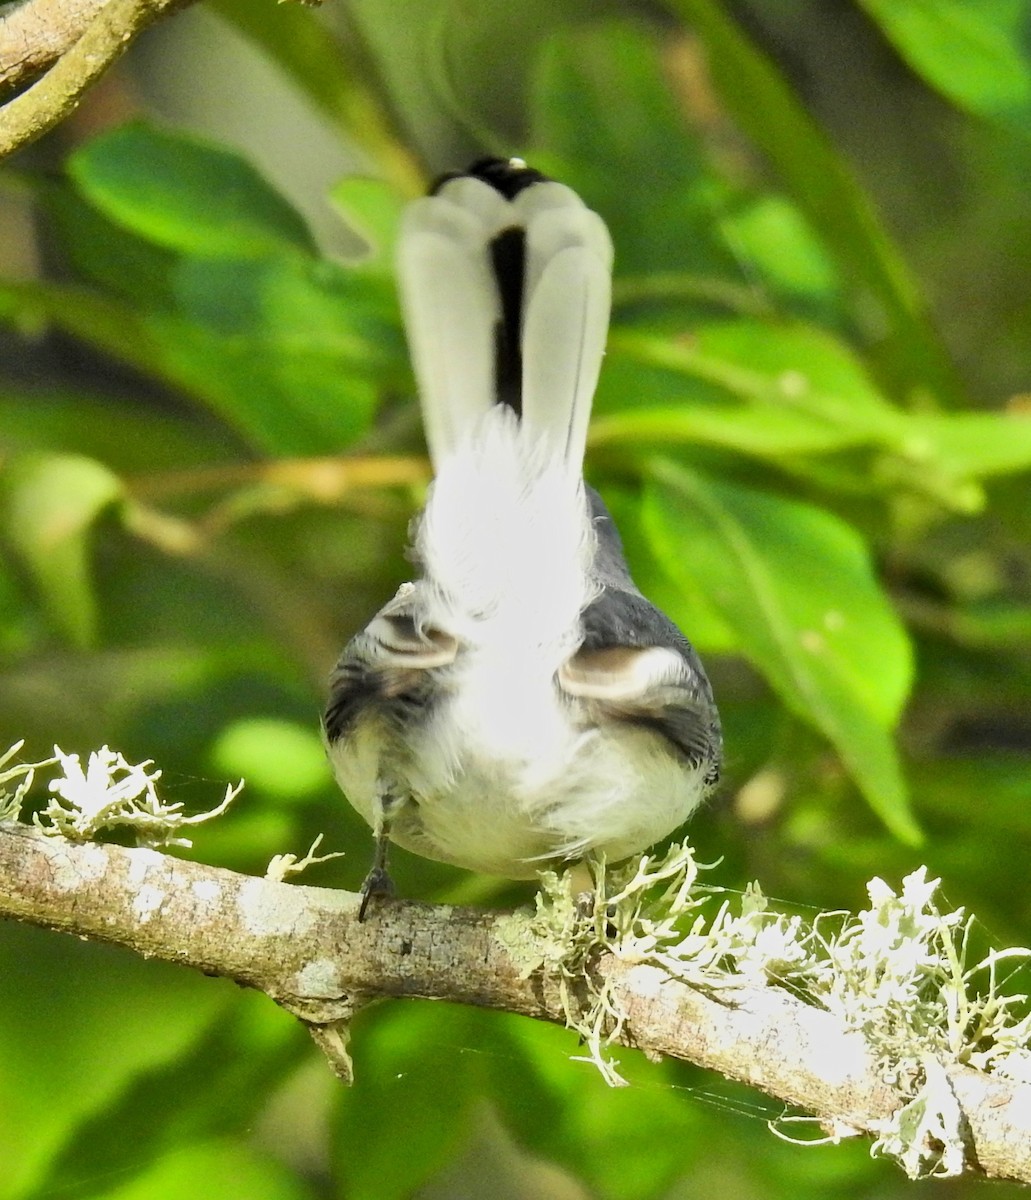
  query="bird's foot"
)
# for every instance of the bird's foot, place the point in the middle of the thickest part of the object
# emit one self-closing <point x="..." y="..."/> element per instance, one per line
<point x="376" y="883"/>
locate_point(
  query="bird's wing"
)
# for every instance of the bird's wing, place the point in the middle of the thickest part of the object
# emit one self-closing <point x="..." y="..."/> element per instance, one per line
<point x="634" y="665"/>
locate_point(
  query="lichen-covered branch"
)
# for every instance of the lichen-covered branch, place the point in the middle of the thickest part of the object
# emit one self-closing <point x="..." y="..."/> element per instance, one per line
<point x="305" y="948"/>
<point x="105" y="33"/>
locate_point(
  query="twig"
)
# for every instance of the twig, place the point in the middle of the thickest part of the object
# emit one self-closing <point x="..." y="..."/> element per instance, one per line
<point x="324" y="479"/>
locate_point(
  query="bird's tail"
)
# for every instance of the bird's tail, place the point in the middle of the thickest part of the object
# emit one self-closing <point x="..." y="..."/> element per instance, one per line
<point x="506" y="286"/>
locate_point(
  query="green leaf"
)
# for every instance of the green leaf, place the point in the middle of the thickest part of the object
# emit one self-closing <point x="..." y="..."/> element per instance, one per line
<point x="971" y="445"/>
<point x="407" y="1060"/>
<point x="684" y="232"/>
<point x="286" y="350"/>
<point x="114" y="325"/>
<point x="766" y="433"/>
<point x="775" y="238"/>
<point x="819" y="181"/>
<point x="791" y="365"/>
<point x="805" y="393"/>
<point x="103" y="251"/>
<point x="219" y="1084"/>
<point x="224" y="1168"/>
<point x="974" y="52"/>
<point x="796" y="585"/>
<point x="689" y="610"/>
<point x="791" y="368"/>
<point x="669" y="218"/>
<point x="48" y="506"/>
<point x="185" y="194"/>
<point x="77" y="1022"/>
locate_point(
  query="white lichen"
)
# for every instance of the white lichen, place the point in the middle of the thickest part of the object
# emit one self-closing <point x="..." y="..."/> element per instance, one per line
<point x="207" y="891"/>
<point x="108" y="793"/>
<point x="268" y="911"/>
<point x="73" y="872"/>
<point x="899" y="972"/>
<point x="22" y="776"/>
<point x="319" y="979"/>
<point x="148" y="902"/>
<point x="633" y="912"/>
<point x="284" y="865"/>
<point x="926" y="1134"/>
<point x="111" y="793"/>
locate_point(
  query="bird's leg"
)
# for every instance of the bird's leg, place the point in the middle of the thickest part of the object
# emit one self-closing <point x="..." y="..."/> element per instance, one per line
<point x="378" y="882"/>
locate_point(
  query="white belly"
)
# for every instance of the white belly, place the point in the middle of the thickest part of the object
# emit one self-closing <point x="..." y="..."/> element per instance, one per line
<point x="504" y="781"/>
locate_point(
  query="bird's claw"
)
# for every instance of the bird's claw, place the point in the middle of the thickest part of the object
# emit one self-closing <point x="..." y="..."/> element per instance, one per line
<point x="376" y="883"/>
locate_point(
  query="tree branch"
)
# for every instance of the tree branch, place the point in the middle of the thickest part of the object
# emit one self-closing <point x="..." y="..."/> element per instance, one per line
<point x="107" y="31"/>
<point x="305" y="948"/>
<point x="35" y="33"/>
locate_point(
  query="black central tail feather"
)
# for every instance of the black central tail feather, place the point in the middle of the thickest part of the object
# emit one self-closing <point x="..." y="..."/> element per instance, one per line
<point x="508" y="256"/>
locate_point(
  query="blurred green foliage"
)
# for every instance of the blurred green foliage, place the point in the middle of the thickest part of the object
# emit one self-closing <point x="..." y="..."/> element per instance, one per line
<point x="812" y="426"/>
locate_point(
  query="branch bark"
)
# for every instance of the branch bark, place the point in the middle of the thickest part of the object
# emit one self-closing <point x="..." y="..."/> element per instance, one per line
<point x="83" y="40"/>
<point x="305" y="948"/>
<point x="35" y="33"/>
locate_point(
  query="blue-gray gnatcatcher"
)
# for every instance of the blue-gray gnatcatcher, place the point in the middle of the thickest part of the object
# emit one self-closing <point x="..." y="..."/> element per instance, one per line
<point x="520" y="703"/>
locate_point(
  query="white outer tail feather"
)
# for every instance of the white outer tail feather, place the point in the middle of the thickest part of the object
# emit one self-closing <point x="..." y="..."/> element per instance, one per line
<point x="452" y="307"/>
<point x="566" y="315"/>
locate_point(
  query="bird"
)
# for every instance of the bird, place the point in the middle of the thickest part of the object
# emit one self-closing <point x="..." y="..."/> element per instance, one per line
<point x="519" y="704"/>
